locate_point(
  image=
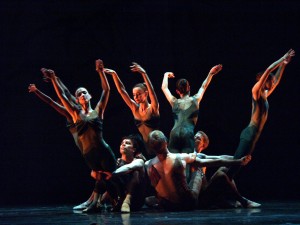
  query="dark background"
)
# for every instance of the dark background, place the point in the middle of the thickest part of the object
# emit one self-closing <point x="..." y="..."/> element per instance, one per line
<point x="40" y="163"/>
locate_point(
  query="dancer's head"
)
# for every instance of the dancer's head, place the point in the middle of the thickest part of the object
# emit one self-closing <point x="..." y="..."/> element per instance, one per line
<point x="132" y="145"/>
<point x="140" y="93"/>
<point x="158" y="142"/>
<point x="201" y="141"/>
<point x="182" y="87"/>
<point x="82" y="95"/>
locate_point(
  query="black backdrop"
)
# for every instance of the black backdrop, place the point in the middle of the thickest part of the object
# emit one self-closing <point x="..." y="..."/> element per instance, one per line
<point x="39" y="161"/>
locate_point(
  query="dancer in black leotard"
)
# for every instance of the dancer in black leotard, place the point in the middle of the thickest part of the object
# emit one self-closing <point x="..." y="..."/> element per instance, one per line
<point x="89" y="127"/>
<point x="185" y="111"/>
<point x="263" y="88"/>
<point x="146" y="115"/>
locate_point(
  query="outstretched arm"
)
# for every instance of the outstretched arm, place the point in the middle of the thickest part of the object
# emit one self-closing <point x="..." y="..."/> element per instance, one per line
<point x="105" y="88"/>
<point x="70" y="107"/>
<point x="192" y="158"/>
<point x="45" y="98"/>
<point x="201" y="155"/>
<point x="121" y="89"/>
<point x="280" y="71"/>
<point x="165" y="88"/>
<point x="154" y="102"/>
<point x="257" y="88"/>
<point x="216" y="69"/>
<point x="71" y="97"/>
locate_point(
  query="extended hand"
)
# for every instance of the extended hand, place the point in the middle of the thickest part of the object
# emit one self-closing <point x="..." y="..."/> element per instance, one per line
<point x="288" y="56"/>
<point x="245" y="160"/>
<point x="216" y="69"/>
<point x="32" y="88"/>
<point x="169" y="74"/>
<point x="99" y="65"/>
<point x="47" y="74"/>
<point x="137" y="68"/>
<point x="109" y="71"/>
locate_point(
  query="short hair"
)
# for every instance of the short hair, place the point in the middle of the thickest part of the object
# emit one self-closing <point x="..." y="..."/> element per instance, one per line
<point x="143" y="86"/>
<point x="183" y="86"/>
<point x="137" y="143"/>
<point x="204" y="138"/>
<point x="157" y="141"/>
<point x="76" y="92"/>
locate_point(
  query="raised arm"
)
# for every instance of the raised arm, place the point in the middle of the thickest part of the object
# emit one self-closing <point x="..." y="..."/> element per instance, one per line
<point x="45" y="98"/>
<point x="257" y="88"/>
<point x="216" y="69"/>
<point x="152" y="95"/>
<point x="101" y="105"/>
<point x="65" y="89"/>
<point x="165" y="88"/>
<point x="280" y="71"/>
<point x="70" y="107"/>
<point x="121" y="89"/>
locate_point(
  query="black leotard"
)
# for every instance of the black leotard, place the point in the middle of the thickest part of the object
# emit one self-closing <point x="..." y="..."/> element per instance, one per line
<point x="96" y="152"/>
<point x="153" y="122"/>
<point x="182" y="134"/>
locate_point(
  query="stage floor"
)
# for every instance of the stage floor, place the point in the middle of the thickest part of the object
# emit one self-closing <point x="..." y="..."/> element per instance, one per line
<point x="271" y="212"/>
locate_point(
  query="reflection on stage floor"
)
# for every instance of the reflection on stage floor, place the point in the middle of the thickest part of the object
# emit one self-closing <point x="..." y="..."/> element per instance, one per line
<point x="271" y="212"/>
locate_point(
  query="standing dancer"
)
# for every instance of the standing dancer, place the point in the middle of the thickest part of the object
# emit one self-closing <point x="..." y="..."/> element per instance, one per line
<point x="145" y="113"/>
<point x="185" y="111"/>
<point x="88" y="123"/>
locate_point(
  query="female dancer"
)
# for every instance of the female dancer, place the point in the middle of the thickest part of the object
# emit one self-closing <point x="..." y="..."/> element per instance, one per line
<point x="263" y="88"/>
<point x="185" y="111"/>
<point x="88" y="123"/>
<point x="146" y="115"/>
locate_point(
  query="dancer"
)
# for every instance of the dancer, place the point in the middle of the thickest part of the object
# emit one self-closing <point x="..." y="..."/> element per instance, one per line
<point x="129" y="175"/>
<point x="89" y="127"/>
<point x="220" y="190"/>
<point x="167" y="174"/>
<point x="263" y="88"/>
<point x="185" y="110"/>
<point x="146" y="115"/>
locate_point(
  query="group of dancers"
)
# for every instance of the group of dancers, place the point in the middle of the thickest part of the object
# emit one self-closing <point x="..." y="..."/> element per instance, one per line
<point x="152" y="170"/>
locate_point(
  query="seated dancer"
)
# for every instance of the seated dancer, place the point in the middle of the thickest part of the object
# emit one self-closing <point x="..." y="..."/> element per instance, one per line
<point x="219" y="191"/>
<point x="129" y="176"/>
<point x="167" y="173"/>
<point x="263" y="88"/>
<point x="146" y="115"/>
<point x="185" y="110"/>
<point x="89" y="128"/>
